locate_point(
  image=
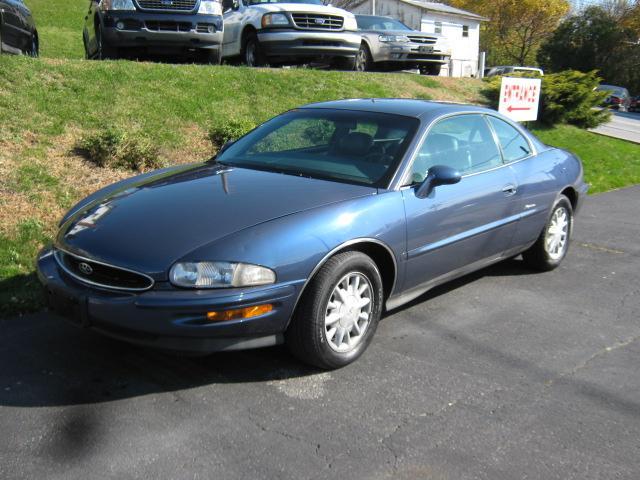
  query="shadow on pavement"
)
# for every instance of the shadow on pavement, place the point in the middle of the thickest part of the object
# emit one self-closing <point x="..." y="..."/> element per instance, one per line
<point x="44" y="361"/>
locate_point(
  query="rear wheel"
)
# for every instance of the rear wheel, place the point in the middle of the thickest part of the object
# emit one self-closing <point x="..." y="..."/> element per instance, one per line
<point x="553" y="243"/>
<point x="363" y="61"/>
<point x="339" y="312"/>
<point x="430" y="69"/>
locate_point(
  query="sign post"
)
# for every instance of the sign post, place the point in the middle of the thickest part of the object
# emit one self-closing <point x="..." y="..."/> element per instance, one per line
<point x="519" y="98"/>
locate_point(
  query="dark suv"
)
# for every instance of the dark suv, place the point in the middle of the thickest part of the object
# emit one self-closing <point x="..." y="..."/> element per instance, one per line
<point x="17" y="30"/>
<point x="115" y="28"/>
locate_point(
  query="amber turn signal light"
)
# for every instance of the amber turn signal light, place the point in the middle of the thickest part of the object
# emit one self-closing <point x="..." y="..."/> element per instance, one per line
<point x="239" y="313"/>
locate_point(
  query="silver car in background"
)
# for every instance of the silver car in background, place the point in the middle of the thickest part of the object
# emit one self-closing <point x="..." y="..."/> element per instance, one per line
<point x="388" y="44"/>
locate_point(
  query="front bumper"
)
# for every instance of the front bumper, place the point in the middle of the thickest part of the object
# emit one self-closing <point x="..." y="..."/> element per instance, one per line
<point x="410" y="53"/>
<point x="289" y="43"/>
<point x="139" y="29"/>
<point x="169" y="318"/>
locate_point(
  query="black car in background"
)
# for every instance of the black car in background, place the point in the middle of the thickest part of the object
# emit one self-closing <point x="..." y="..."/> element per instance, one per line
<point x="618" y="97"/>
<point x="18" y="32"/>
<point x="119" y="28"/>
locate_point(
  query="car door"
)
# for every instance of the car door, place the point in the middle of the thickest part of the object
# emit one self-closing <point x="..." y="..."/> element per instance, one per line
<point x="460" y="226"/>
<point x="537" y="175"/>
<point x="232" y="15"/>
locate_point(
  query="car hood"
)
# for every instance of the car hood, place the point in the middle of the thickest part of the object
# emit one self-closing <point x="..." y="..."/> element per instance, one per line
<point x="413" y="33"/>
<point x="148" y="225"/>
<point x="302" y="8"/>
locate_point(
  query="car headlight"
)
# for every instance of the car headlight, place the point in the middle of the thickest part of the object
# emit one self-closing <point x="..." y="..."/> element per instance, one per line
<point x="350" y="23"/>
<point x="220" y="275"/>
<point x="274" y="20"/>
<point x="394" y="38"/>
<point x="107" y="5"/>
<point x="209" y="7"/>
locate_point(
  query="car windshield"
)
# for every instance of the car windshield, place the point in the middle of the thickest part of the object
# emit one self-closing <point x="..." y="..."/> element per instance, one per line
<point x="258" y="2"/>
<point x="610" y="88"/>
<point x="369" y="22"/>
<point x="358" y="147"/>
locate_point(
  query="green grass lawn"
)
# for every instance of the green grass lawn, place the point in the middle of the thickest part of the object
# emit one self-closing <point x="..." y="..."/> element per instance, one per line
<point x="48" y="105"/>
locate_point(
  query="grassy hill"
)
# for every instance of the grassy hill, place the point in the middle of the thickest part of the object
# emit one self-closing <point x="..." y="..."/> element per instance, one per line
<point x="48" y="105"/>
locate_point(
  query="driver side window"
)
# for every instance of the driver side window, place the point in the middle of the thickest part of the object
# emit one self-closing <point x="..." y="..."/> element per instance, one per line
<point x="463" y="142"/>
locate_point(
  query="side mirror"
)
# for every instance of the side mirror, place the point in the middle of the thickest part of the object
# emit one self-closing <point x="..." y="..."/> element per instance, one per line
<point x="437" y="175"/>
<point x="235" y="4"/>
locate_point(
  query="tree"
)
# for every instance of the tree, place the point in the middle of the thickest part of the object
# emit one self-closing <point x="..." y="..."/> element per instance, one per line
<point x="516" y="28"/>
<point x="597" y="39"/>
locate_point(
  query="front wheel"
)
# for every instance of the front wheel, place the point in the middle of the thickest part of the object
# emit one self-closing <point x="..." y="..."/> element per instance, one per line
<point x="339" y="312"/>
<point x="553" y="243"/>
<point x="34" y="48"/>
<point x="103" y="51"/>
<point x="430" y="69"/>
<point x="344" y="63"/>
<point x="253" y="55"/>
<point x="363" y="59"/>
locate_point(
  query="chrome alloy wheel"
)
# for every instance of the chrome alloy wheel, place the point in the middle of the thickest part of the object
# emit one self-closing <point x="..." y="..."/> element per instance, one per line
<point x="348" y="312"/>
<point x="555" y="240"/>
<point x="361" y="60"/>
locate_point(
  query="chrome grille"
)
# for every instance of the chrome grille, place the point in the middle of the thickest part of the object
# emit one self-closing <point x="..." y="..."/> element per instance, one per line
<point x="422" y="40"/>
<point x="101" y="274"/>
<point x="168" y="5"/>
<point x="317" y="21"/>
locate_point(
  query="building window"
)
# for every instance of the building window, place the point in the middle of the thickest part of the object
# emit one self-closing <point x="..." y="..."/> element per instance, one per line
<point x="465" y="30"/>
<point x="438" y="27"/>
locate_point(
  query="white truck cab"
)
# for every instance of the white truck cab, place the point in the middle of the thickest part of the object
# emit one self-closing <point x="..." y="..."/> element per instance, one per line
<point x="263" y="32"/>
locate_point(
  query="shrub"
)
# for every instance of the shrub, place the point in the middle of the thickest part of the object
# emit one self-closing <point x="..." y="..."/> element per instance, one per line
<point x="232" y="130"/>
<point x="566" y="97"/>
<point x="116" y="148"/>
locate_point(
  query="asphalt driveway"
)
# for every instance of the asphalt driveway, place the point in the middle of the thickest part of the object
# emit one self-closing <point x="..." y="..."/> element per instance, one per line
<point x="505" y="374"/>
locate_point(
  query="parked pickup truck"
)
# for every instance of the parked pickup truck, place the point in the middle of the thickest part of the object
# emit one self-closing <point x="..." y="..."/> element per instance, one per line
<point x="263" y="32"/>
<point x="115" y="28"/>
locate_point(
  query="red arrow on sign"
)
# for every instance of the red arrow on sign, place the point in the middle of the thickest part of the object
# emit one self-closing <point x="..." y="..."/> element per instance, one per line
<point x="511" y="109"/>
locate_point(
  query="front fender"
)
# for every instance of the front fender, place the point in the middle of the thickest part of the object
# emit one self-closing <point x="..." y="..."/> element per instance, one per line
<point x="294" y="245"/>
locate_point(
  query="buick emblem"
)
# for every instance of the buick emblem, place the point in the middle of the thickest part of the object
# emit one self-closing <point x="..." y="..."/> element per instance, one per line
<point x="85" y="268"/>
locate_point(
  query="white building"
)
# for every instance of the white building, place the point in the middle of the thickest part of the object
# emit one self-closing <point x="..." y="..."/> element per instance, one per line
<point x="461" y="28"/>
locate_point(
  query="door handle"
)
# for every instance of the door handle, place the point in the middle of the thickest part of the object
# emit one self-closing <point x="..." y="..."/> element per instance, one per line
<point x="509" y="190"/>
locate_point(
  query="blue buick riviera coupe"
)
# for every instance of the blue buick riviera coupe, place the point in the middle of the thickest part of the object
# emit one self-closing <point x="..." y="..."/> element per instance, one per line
<point x="304" y="230"/>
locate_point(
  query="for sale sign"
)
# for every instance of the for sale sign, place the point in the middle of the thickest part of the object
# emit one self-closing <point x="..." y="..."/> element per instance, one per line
<point x="519" y="98"/>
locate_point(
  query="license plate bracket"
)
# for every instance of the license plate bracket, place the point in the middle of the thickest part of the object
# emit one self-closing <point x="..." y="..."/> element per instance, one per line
<point x="425" y="49"/>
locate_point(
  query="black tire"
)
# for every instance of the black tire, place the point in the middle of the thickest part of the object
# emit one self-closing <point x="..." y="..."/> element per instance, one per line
<point x="34" y="49"/>
<point x="430" y="69"/>
<point x="363" y="61"/>
<point x="344" y="63"/>
<point x="252" y="54"/>
<point x="306" y="336"/>
<point x="103" y="51"/>
<point x="213" y="57"/>
<point x="539" y="256"/>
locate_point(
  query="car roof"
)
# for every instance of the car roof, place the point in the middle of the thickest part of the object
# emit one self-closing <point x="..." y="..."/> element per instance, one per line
<point x="400" y="106"/>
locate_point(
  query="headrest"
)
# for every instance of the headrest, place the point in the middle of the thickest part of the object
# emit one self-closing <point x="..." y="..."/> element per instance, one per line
<point x="440" y="143"/>
<point x="355" y="144"/>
